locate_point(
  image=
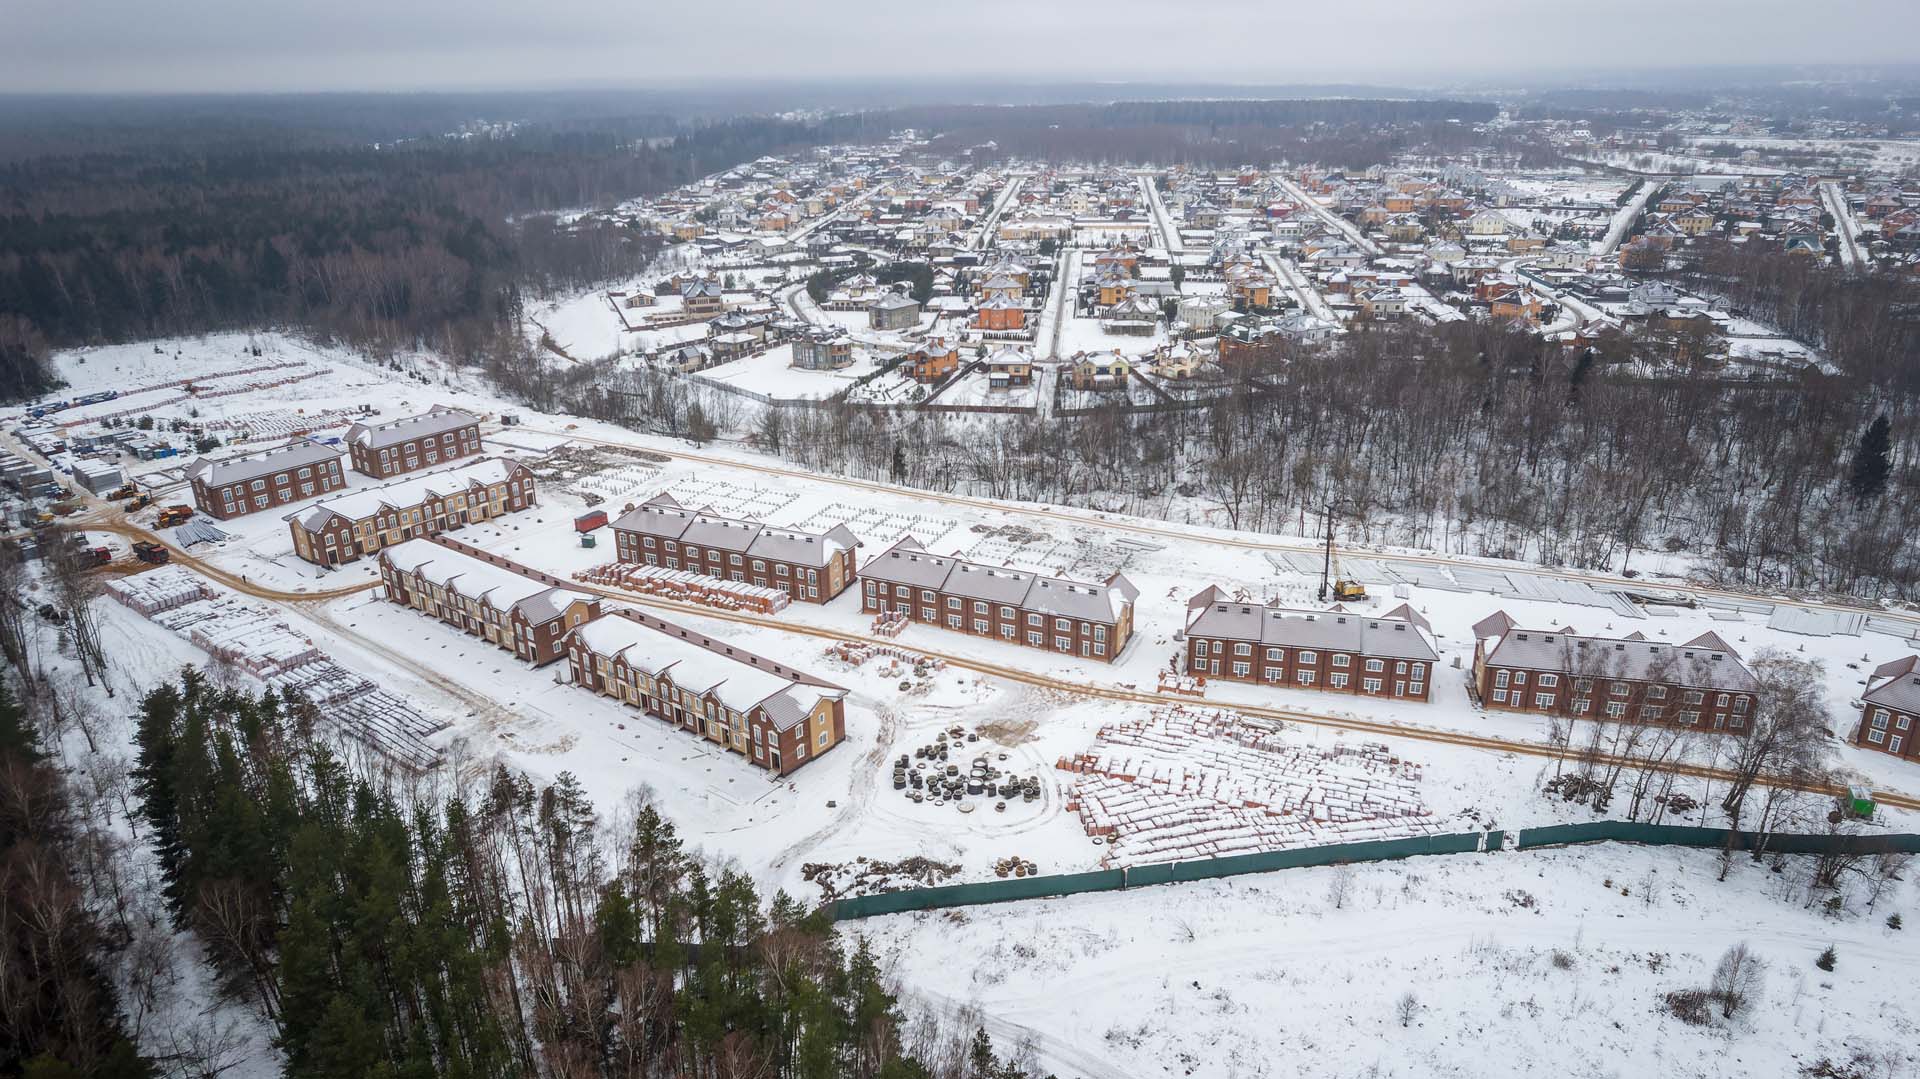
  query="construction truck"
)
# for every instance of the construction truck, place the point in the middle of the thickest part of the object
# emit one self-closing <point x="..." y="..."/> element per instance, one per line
<point x="99" y="556"/>
<point x="148" y="551"/>
<point x="174" y="515"/>
<point x="138" y="503"/>
<point x="125" y="490"/>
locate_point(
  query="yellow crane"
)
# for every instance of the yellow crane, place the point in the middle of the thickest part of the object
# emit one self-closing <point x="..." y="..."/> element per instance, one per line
<point x="1343" y="589"/>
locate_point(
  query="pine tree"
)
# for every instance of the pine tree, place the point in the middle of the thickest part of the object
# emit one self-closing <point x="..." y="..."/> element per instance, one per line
<point x="1872" y="462"/>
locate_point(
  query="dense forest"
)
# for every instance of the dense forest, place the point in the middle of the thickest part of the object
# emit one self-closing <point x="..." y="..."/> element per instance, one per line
<point x="496" y="928"/>
<point x="385" y="245"/>
<point x="1207" y="133"/>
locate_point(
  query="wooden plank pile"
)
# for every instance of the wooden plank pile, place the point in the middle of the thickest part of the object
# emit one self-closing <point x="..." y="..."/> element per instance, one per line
<point x="687" y="587"/>
<point x="1190" y="783"/>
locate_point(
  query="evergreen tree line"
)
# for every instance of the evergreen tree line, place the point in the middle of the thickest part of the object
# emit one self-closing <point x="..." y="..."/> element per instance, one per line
<point x="60" y="1017"/>
<point x="496" y="929"/>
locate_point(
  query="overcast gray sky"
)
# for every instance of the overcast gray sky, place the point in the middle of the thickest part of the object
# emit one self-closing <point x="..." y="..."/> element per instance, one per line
<point x="189" y="45"/>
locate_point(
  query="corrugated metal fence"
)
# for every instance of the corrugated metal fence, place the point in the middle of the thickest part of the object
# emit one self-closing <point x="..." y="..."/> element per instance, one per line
<point x="1386" y="850"/>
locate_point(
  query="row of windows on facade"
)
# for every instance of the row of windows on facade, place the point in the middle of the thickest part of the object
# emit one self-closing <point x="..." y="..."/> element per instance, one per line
<point x="1306" y="678"/>
<point x="740" y="576"/>
<point x="718" y="719"/>
<point x="387" y="455"/>
<point x="1614" y="710"/>
<point x="417" y="515"/>
<point x="433" y="599"/>
<point x="1308" y="657"/>
<point x="780" y="569"/>
<point x="280" y="480"/>
<point x="1877" y="729"/>
<point x="1655" y="691"/>
<point x="904" y="598"/>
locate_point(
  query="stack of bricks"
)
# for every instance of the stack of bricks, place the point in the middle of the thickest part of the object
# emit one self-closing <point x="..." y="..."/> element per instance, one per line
<point x="687" y="586"/>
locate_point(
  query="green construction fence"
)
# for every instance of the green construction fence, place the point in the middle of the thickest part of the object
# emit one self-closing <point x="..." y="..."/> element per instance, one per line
<point x="1384" y="850"/>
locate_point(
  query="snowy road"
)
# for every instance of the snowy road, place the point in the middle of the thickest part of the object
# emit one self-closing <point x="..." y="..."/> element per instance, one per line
<point x="1169" y="235"/>
<point x="1347" y="228"/>
<point x="1628" y="214"/>
<point x="1845" y="228"/>
<point x="1310" y="297"/>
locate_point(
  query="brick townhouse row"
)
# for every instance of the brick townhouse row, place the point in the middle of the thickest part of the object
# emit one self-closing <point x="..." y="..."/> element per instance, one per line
<point x="1094" y="621"/>
<point x="776" y="717"/>
<point x="238" y="486"/>
<point x="1701" y="683"/>
<point x="343" y="529"/>
<point x="383" y="450"/>
<point x="809" y="567"/>
<point x="1339" y="651"/>
<point x="527" y="617"/>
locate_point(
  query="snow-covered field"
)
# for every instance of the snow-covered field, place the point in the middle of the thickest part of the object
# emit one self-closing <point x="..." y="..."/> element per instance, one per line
<point x="1474" y="966"/>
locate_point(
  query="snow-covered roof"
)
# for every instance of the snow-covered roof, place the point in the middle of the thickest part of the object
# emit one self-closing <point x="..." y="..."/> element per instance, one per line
<point x="1703" y="662"/>
<point x="739" y="680"/>
<point x="907" y="563"/>
<point x="470" y="577"/>
<point x="368" y="502"/>
<point x="663" y="517"/>
<point x="258" y="465"/>
<point x="438" y="421"/>
<point x="1211" y="614"/>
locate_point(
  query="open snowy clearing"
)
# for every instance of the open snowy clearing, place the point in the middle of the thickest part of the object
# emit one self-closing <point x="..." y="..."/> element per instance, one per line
<point x="1519" y="964"/>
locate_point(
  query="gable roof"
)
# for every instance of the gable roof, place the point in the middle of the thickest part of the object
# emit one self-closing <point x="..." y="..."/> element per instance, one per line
<point x="693" y="661"/>
<point x="1212" y="614"/>
<point x="258" y="465"/>
<point x="1692" y="664"/>
<point x="369" y="502"/>
<point x="907" y="563"/>
<point x="437" y="421"/>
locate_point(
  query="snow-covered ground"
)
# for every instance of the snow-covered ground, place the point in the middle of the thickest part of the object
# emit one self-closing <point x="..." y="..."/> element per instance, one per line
<point x="1107" y="982"/>
<point x="494" y="705"/>
<point x="1536" y="963"/>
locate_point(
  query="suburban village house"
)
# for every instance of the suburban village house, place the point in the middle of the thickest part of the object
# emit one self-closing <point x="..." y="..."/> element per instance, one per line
<point x="772" y="715"/>
<point x="809" y="567"/>
<point x="1340" y="651"/>
<point x="387" y="449"/>
<point x="342" y="529"/>
<point x="241" y="485"/>
<point x="1701" y="683"/>
<point x="1888" y="708"/>
<point x="1070" y="617"/>
<point x="526" y="617"/>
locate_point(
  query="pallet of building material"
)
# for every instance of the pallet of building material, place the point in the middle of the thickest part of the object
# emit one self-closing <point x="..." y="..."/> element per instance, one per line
<point x="687" y="586"/>
<point x="159" y="590"/>
<point x="391" y="727"/>
<point x="322" y="682"/>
